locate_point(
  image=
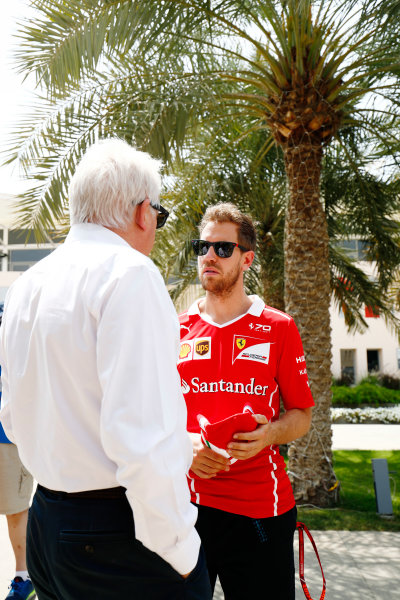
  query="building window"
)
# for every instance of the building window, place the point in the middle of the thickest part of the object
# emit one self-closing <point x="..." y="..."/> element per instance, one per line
<point x="347" y="365"/>
<point x="21" y="260"/>
<point x="373" y="361"/>
<point x="356" y="249"/>
<point x="21" y="236"/>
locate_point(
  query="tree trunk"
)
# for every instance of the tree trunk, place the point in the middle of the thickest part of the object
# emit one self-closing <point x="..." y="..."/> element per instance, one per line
<point x="307" y="300"/>
<point x="271" y="295"/>
<point x="272" y="292"/>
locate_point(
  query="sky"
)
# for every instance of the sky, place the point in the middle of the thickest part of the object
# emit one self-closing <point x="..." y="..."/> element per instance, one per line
<point x="14" y="93"/>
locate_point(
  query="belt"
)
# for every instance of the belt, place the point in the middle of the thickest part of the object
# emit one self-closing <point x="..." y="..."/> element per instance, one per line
<point x="108" y="493"/>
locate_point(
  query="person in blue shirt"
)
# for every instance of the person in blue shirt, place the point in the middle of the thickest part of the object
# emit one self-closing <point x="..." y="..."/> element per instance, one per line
<point x="15" y="493"/>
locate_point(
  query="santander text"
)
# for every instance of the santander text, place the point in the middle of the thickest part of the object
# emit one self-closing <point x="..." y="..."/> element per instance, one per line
<point x="228" y="386"/>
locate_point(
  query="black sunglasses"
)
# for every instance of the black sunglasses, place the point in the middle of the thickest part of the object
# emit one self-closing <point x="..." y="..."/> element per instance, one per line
<point x="221" y="249"/>
<point x="162" y="216"/>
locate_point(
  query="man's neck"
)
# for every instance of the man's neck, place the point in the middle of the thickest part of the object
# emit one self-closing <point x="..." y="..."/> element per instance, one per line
<point x="130" y="235"/>
<point x="222" y="309"/>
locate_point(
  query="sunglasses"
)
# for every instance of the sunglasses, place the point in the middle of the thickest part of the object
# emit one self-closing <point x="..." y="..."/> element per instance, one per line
<point x="162" y="216"/>
<point x="221" y="249"/>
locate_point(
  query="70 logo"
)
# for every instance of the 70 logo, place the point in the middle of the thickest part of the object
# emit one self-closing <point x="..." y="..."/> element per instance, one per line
<point x="260" y="327"/>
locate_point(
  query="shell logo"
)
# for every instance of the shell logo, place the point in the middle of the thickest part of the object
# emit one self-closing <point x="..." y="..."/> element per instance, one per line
<point x="185" y="350"/>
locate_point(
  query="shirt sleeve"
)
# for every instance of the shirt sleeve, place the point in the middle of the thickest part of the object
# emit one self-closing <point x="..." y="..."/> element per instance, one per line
<point x="143" y="415"/>
<point x="292" y="371"/>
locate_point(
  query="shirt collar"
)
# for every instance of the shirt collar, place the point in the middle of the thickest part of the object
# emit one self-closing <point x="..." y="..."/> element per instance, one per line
<point x="255" y="309"/>
<point x="94" y="233"/>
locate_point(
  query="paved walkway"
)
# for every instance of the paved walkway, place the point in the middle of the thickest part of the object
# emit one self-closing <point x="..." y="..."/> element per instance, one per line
<point x="366" y="437"/>
<point x="358" y="564"/>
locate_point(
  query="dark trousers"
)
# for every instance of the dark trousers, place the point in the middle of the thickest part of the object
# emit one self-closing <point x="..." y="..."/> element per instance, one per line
<point x="86" y="548"/>
<point x="253" y="558"/>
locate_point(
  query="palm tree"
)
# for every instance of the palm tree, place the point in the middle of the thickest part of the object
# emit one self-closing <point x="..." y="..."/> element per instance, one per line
<point x="163" y="74"/>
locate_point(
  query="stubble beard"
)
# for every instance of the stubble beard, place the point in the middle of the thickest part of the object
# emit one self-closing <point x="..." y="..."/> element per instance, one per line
<point x="222" y="286"/>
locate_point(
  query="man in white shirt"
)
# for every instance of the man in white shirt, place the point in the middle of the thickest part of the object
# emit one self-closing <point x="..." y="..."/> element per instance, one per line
<point x="91" y="397"/>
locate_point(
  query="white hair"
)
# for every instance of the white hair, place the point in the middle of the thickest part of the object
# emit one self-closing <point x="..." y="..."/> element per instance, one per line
<point x="111" y="178"/>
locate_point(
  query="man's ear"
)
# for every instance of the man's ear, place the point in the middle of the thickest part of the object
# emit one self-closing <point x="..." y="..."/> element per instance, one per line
<point x="248" y="260"/>
<point x="141" y="214"/>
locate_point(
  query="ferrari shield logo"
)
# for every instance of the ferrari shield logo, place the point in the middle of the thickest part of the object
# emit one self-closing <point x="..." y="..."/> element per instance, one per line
<point x="240" y="343"/>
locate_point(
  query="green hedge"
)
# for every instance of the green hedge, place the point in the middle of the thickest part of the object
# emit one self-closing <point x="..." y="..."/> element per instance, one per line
<point x="364" y="393"/>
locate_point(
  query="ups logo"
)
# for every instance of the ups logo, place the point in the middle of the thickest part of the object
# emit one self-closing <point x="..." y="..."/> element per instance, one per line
<point x="202" y="347"/>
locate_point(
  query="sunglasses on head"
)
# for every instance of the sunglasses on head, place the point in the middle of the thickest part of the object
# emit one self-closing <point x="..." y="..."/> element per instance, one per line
<point x="162" y="215"/>
<point x="221" y="249"/>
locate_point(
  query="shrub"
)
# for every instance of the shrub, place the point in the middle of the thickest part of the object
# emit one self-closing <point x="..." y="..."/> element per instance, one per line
<point x="369" y="393"/>
<point x="343" y="396"/>
<point x="370" y="379"/>
<point x="344" y="380"/>
<point x="380" y="414"/>
<point x="389" y="381"/>
<point x="364" y="393"/>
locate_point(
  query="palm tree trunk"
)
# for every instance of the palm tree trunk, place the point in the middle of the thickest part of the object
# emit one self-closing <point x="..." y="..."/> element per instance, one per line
<point x="307" y="299"/>
<point x="271" y="294"/>
<point x="272" y="290"/>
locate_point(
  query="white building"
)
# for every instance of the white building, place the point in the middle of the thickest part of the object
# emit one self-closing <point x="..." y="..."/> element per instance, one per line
<point x="357" y="354"/>
<point x="361" y="353"/>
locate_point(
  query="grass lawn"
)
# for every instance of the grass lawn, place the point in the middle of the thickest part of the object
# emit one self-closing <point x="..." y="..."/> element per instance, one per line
<point x="357" y="507"/>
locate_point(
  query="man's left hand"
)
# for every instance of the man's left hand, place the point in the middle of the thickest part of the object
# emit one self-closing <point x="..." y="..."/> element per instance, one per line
<point x="248" y="444"/>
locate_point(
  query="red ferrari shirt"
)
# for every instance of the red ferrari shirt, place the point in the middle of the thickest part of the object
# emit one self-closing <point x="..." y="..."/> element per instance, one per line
<point x="252" y="360"/>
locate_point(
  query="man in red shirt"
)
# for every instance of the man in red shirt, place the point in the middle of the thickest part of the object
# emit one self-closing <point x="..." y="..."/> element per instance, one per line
<point x="239" y="355"/>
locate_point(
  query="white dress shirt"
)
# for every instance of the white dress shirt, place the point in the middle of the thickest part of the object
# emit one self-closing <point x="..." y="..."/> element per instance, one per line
<point x="91" y="393"/>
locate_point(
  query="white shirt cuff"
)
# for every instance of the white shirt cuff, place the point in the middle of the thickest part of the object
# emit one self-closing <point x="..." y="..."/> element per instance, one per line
<point x="184" y="557"/>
